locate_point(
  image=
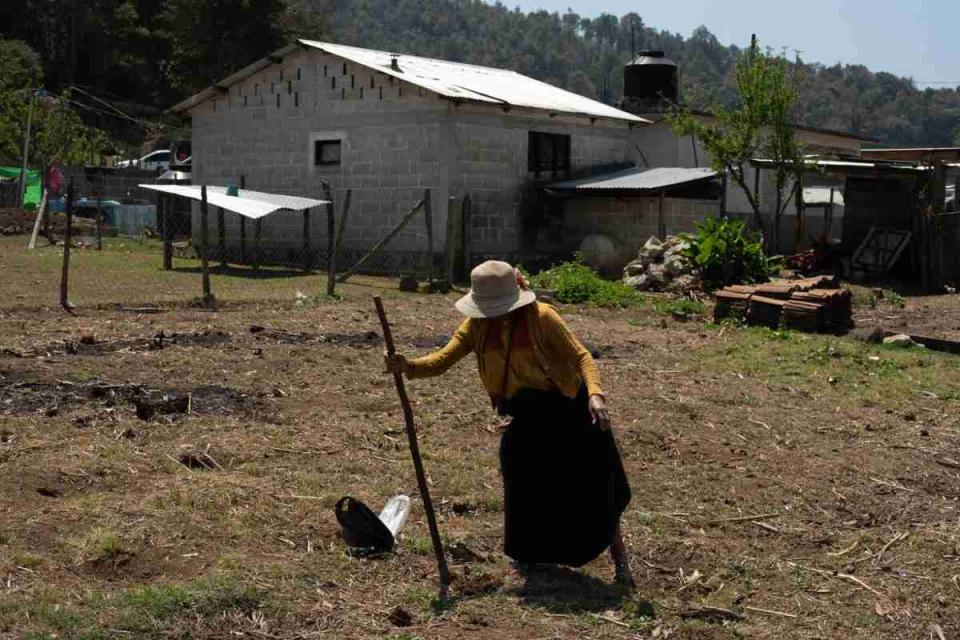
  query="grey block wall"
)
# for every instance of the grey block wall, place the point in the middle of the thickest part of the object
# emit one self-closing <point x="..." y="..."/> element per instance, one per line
<point x="264" y="129"/>
<point x="630" y="221"/>
<point x="491" y="165"/>
<point x="397" y="140"/>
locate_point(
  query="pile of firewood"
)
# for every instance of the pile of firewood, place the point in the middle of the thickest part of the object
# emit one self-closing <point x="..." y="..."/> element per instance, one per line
<point x="813" y="304"/>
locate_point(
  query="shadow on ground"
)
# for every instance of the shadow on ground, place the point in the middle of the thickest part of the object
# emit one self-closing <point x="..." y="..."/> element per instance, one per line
<point x="564" y="590"/>
<point x="248" y="272"/>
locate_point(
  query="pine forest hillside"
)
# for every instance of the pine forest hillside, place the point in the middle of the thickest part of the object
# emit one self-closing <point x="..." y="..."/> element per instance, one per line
<point x="142" y="56"/>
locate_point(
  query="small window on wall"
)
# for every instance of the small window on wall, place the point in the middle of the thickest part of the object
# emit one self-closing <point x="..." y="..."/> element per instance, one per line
<point x="548" y="152"/>
<point x="326" y="152"/>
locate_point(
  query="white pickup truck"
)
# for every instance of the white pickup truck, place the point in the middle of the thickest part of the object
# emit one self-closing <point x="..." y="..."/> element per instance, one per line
<point x="158" y="160"/>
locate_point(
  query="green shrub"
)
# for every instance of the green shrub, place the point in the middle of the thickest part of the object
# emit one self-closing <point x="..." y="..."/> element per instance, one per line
<point x="725" y="252"/>
<point x="576" y="283"/>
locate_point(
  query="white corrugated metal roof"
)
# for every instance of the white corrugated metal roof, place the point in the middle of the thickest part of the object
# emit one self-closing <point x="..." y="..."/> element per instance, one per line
<point x="250" y="204"/>
<point x="841" y="165"/>
<point x="453" y="80"/>
<point x="636" y="179"/>
<point x="456" y="80"/>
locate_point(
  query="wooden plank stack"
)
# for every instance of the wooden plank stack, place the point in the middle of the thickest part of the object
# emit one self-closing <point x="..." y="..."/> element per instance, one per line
<point x="812" y="304"/>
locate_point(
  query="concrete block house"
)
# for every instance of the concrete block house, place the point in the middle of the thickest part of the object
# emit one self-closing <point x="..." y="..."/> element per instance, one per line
<point x="387" y="126"/>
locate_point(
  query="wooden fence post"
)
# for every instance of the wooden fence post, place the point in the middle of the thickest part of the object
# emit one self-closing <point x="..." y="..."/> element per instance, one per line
<point x="428" y="218"/>
<point x="828" y="222"/>
<point x="465" y="248"/>
<point x="723" y="195"/>
<point x="661" y="223"/>
<point x="204" y="265"/>
<point x="68" y="238"/>
<point x="222" y="237"/>
<point x="307" y="255"/>
<point x="243" y="227"/>
<point x="800" y="236"/>
<point x="341" y="225"/>
<point x="257" y="230"/>
<point x="758" y="216"/>
<point x="100" y="215"/>
<point x="453" y="235"/>
<point x="331" y="237"/>
<point x="163" y="202"/>
<point x="777" y="213"/>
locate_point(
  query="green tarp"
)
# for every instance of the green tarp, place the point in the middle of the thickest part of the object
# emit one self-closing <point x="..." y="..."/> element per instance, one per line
<point x="32" y="196"/>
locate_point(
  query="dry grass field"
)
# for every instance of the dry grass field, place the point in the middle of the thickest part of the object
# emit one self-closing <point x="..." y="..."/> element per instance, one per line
<point x="807" y="483"/>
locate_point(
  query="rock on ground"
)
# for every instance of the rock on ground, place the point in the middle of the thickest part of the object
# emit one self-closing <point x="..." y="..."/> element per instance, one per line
<point x="659" y="264"/>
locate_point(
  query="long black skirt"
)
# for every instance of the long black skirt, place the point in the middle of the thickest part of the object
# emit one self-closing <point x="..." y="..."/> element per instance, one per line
<point x="564" y="484"/>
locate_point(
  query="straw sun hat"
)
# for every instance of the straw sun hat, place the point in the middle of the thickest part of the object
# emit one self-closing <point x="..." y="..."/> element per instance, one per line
<point x="494" y="291"/>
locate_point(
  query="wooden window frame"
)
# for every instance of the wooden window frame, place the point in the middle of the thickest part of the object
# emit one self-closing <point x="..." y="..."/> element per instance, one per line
<point x="559" y="160"/>
<point x="318" y="145"/>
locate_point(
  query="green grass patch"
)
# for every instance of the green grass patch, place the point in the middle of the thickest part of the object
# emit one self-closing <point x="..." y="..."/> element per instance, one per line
<point x="27" y="560"/>
<point x="845" y="370"/>
<point x="419" y="545"/>
<point x="679" y="306"/>
<point x="130" y="273"/>
<point x="887" y="297"/>
<point x="99" y="543"/>
<point x="576" y="283"/>
<point x="159" y="607"/>
<point x="45" y="615"/>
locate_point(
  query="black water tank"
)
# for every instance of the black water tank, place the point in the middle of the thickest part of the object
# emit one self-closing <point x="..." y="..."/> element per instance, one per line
<point x="650" y="79"/>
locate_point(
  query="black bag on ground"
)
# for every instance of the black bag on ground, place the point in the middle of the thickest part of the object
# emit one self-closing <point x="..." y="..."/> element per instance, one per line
<point x="361" y="527"/>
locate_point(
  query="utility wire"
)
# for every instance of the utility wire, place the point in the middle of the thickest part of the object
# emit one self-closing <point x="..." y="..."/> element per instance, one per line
<point x="124" y="117"/>
<point x="117" y="113"/>
<point x="101" y="101"/>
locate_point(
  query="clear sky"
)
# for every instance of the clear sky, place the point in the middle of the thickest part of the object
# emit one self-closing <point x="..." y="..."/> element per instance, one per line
<point x="915" y="38"/>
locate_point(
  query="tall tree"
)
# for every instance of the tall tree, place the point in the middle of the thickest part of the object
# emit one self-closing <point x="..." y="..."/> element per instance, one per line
<point x="762" y="124"/>
<point x="57" y="134"/>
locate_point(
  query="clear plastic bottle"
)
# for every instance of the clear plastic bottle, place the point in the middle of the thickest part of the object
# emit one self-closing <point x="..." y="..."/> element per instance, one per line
<point x="395" y="514"/>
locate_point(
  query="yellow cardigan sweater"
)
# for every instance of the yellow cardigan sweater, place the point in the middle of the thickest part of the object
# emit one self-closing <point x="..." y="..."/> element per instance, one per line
<point x="545" y="354"/>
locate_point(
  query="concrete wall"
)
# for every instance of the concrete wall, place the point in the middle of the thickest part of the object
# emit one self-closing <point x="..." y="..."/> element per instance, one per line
<point x="630" y="221"/>
<point x="491" y="165"/>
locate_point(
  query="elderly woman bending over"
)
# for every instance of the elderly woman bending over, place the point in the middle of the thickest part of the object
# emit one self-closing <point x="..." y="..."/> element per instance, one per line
<point x="564" y="484"/>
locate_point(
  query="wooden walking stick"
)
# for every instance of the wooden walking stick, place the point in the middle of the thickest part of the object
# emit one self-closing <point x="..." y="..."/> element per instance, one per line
<point x="415" y="453"/>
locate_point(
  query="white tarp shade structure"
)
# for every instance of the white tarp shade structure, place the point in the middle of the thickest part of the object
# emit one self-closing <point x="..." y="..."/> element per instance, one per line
<point x="249" y="204"/>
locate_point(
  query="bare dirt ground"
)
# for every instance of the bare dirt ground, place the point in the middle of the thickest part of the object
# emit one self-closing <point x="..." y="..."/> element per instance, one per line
<point x="807" y="483"/>
<point x="936" y="316"/>
<point x="15" y="221"/>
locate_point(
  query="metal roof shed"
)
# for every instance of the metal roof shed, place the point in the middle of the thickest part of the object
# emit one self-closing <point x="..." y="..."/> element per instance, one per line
<point x="900" y="195"/>
<point x="635" y="181"/>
